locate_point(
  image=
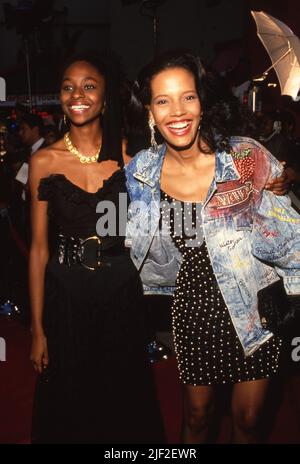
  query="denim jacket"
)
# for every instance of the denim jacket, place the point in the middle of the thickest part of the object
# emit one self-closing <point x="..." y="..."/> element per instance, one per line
<point x="252" y="235"/>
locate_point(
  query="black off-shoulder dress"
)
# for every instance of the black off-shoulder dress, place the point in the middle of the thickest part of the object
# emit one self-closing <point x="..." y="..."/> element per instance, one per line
<point x="98" y="387"/>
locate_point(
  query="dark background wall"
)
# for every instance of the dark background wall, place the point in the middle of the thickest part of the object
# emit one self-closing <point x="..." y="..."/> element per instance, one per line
<point x="222" y="31"/>
<point x="194" y="24"/>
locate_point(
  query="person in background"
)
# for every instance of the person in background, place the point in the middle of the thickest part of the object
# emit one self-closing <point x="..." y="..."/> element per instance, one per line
<point x="288" y="122"/>
<point x="31" y="132"/>
<point x="51" y="134"/>
<point x="276" y="134"/>
<point x="31" y="135"/>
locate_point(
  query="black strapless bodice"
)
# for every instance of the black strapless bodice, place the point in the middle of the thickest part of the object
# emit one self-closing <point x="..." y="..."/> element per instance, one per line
<point x="73" y="210"/>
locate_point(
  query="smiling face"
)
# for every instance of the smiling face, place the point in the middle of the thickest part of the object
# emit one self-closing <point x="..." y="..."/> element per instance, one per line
<point x="82" y="92"/>
<point x="175" y="107"/>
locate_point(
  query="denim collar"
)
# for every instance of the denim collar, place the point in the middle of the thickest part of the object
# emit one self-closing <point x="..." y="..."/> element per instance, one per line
<point x="149" y="171"/>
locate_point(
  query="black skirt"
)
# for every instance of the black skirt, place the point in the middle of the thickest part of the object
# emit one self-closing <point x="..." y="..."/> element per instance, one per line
<point x="98" y="387"/>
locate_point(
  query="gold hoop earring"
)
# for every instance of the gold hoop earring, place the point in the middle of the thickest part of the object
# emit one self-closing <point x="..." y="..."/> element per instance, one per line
<point x="65" y="119"/>
<point x="152" y="132"/>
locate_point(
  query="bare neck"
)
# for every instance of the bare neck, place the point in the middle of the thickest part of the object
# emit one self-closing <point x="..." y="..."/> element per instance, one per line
<point x="186" y="158"/>
<point x="86" y="138"/>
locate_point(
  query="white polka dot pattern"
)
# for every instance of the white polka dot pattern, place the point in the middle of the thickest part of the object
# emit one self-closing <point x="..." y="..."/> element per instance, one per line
<point x="206" y="344"/>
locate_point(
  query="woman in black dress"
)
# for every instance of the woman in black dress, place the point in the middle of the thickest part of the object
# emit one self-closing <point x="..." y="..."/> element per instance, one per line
<point x="88" y="338"/>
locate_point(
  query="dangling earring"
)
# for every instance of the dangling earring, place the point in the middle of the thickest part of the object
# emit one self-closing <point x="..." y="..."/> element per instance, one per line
<point x="65" y="119"/>
<point x="199" y="127"/>
<point x="152" y="131"/>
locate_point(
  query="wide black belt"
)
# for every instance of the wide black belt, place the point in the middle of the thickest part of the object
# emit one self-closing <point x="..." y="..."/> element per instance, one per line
<point x="91" y="252"/>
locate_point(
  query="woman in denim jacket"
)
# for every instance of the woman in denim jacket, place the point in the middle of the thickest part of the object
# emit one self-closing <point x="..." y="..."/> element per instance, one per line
<point x="200" y="221"/>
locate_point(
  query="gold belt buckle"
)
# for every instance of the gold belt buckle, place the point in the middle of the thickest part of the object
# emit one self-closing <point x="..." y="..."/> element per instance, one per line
<point x="94" y="237"/>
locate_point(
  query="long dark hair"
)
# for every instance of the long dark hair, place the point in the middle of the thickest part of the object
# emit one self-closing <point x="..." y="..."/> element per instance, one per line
<point x="222" y="117"/>
<point x="108" y="66"/>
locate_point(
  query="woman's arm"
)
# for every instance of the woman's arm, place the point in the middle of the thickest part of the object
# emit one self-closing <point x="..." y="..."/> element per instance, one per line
<point x="38" y="258"/>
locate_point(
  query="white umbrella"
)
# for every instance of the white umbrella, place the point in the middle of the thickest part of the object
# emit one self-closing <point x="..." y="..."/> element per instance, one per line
<point x="283" y="47"/>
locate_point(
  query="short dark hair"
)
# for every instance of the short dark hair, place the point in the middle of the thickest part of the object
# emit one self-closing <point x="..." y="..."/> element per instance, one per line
<point x="33" y="120"/>
<point x="89" y="56"/>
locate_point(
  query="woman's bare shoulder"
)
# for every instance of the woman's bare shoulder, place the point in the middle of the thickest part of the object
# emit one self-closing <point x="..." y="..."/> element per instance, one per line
<point x="45" y="160"/>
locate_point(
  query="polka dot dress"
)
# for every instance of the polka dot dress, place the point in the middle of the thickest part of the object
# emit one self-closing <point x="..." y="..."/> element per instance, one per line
<point x="206" y="344"/>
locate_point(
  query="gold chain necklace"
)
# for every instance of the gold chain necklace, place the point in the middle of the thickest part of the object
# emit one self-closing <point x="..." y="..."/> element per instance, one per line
<point x="82" y="158"/>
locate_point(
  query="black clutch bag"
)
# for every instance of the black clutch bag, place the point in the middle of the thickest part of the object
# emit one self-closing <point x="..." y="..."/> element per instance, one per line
<point x="278" y="311"/>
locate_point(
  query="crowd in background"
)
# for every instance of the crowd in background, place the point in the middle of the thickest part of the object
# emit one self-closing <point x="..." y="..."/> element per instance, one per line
<point x="24" y="133"/>
<point x="21" y="136"/>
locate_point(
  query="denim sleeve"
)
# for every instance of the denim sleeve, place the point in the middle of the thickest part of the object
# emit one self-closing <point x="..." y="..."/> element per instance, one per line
<point x="135" y="208"/>
<point x="129" y="170"/>
<point x="130" y="185"/>
<point x="276" y="225"/>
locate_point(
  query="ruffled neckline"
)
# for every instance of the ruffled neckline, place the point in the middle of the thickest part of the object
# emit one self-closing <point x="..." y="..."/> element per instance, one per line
<point x="117" y="175"/>
<point x="74" y="192"/>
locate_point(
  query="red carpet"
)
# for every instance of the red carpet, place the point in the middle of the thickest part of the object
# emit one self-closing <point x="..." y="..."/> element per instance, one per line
<point x="17" y="386"/>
